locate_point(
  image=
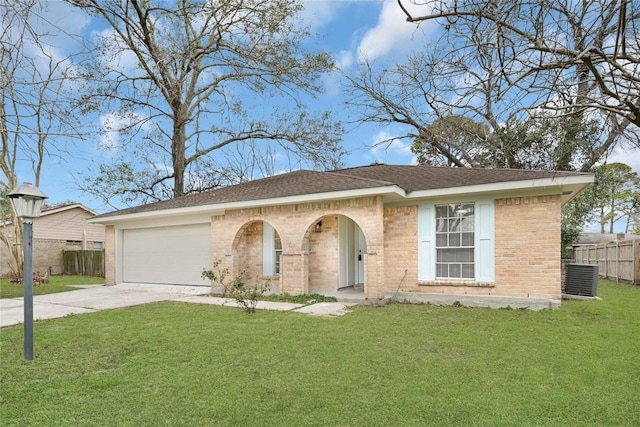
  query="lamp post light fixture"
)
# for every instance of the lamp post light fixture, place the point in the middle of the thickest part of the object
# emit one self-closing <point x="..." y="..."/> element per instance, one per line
<point x="27" y="201"/>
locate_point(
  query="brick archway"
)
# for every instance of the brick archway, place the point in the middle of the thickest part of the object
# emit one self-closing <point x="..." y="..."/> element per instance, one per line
<point x="335" y="246"/>
<point x="294" y="224"/>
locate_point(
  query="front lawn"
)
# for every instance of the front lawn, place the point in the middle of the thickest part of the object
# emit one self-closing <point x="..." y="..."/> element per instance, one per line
<point x="181" y="364"/>
<point x="56" y="284"/>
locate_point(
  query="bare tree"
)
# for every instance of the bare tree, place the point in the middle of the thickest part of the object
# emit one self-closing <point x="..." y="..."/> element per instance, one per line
<point x="36" y="102"/>
<point x="499" y="62"/>
<point x="185" y="81"/>
<point x="563" y="56"/>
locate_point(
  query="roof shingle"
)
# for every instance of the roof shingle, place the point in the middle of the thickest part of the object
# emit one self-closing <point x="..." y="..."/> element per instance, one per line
<point x="409" y="178"/>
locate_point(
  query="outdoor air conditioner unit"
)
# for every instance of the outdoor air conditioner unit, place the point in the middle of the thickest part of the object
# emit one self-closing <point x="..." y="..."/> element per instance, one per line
<point x="581" y="279"/>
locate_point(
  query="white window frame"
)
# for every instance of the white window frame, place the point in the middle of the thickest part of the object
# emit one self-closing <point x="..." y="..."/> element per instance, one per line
<point x="455" y="231"/>
<point x="277" y="249"/>
<point x="271" y="250"/>
<point x="484" y="242"/>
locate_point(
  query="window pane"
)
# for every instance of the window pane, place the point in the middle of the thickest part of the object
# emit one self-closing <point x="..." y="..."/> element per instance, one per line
<point x="468" y="271"/>
<point x="455" y="271"/>
<point x="455" y="255"/>
<point x="442" y="270"/>
<point x="441" y="211"/>
<point x="454" y="239"/>
<point x="441" y="225"/>
<point x="441" y="240"/>
<point x="467" y="239"/>
<point x="454" y="225"/>
<point x="464" y="255"/>
<point x="446" y="255"/>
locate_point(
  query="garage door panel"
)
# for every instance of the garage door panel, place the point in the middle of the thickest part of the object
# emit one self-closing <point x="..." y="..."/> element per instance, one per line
<point x="167" y="255"/>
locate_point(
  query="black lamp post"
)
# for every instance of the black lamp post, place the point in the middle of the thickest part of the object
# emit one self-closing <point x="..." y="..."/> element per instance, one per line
<point x="27" y="201"/>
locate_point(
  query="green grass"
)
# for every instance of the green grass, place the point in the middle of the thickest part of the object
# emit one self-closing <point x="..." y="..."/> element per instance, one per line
<point x="56" y="284"/>
<point x="179" y="364"/>
<point x="298" y="299"/>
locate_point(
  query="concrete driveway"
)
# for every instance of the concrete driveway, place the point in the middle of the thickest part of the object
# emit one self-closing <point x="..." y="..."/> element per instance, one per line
<point x="91" y="298"/>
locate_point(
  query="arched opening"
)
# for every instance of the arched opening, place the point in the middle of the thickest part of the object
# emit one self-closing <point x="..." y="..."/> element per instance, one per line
<point x="256" y="250"/>
<point x="336" y="246"/>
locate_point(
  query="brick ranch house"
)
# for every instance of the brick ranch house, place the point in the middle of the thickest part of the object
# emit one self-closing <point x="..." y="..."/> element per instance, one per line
<point x="59" y="228"/>
<point x="477" y="236"/>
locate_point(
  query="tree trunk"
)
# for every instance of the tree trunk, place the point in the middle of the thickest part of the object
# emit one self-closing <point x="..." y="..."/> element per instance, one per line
<point x="178" y="144"/>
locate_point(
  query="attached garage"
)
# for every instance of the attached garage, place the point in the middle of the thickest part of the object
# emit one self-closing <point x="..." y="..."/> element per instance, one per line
<point x="173" y="255"/>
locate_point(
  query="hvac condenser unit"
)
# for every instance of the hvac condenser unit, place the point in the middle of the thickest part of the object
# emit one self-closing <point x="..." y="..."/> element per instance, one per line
<point x="581" y="279"/>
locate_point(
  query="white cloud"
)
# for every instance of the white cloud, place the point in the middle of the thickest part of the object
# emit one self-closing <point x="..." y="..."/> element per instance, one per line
<point x="332" y="82"/>
<point x="112" y="123"/>
<point x="630" y="157"/>
<point x="388" y="149"/>
<point x="57" y="26"/>
<point x="318" y="13"/>
<point x="115" y="54"/>
<point x="344" y="59"/>
<point x="393" y="33"/>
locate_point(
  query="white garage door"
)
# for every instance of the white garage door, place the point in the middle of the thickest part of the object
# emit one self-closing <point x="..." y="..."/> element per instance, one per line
<point x="167" y="255"/>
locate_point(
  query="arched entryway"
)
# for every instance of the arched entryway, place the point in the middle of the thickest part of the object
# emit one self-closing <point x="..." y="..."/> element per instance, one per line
<point x="257" y="250"/>
<point x="336" y="249"/>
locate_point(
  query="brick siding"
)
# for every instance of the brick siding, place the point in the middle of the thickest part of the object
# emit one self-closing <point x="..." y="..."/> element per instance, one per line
<point x="528" y="247"/>
<point x="527" y="253"/>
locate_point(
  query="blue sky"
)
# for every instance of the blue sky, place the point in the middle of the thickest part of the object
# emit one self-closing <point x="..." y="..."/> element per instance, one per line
<point x="349" y="29"/>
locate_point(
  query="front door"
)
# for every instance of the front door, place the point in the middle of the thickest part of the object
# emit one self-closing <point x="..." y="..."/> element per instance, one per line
<point x="362" y="249"/>
<point x="351" y="250"/>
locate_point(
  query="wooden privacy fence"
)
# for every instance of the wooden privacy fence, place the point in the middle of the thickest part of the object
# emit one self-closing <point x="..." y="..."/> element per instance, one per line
<point x="84" y="263"/>
<point x="619" y="261"/>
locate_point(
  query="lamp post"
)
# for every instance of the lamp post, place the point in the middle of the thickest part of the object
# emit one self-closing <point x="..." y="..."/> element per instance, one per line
<point x="27" y="201"/>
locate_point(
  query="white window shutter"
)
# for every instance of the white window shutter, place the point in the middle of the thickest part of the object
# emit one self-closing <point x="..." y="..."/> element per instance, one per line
<point x="426" y="242"/>
<point x="485" y="258"/>
<point x="268" y="250"/>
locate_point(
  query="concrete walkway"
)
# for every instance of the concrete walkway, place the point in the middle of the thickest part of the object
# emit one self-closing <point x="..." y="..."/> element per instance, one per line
<point x="91" y="298"/>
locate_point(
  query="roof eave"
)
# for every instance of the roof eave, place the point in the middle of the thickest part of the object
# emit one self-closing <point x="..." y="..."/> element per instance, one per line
<point x="220" y="208"/>
<point x="567" y="186"/>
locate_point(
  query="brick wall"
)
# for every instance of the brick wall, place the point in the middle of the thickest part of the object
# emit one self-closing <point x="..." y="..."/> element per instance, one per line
<point x="47" y="255"/>
<point x="110" y="255"/>
<point x="527" y="239"/>
<point x="323" y="256"/>
<point x="528" y="247"/>
<point x="401" y="248"/>
<point x="250" y="252"/>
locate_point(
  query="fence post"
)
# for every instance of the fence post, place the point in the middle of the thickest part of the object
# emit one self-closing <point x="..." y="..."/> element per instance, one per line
<point x="635" y="261"/>
<point x="617" y="262"/>
<point x="606" y="261"/>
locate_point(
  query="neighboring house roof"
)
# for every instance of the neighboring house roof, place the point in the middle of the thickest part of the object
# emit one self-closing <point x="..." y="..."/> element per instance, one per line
<point x="50" y="210"/>
<point x="395" y="182"/>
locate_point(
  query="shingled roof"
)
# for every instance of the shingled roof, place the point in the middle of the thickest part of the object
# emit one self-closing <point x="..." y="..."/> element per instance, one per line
<point x="304" y="182"/>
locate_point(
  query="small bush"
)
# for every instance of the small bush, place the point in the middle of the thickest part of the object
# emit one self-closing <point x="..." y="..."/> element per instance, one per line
<point x="246" y="296"/>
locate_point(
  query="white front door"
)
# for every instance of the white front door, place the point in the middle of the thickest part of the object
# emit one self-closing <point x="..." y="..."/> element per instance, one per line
<point x="362" y="249"/>
<point x="351" y="250"/>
